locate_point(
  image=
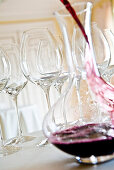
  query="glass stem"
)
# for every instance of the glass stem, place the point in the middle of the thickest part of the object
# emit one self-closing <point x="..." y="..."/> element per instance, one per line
<point x="18" y="117"/>
<point x="59" y="88"/>
<point x="1" y="137"/>
<point x="46" y="91"/>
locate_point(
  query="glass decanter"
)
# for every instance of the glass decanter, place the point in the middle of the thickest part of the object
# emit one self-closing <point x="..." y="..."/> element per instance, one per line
<point x="89" y="137"/>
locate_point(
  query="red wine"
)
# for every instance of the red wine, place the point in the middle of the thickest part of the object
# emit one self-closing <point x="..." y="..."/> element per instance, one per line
<point x="74" y="15"/>
<point x="86" y="140"/>
<point x="104" y="92"/>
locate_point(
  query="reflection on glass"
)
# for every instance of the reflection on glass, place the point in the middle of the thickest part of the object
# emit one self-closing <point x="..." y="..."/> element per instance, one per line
<point x="15" y="85"/>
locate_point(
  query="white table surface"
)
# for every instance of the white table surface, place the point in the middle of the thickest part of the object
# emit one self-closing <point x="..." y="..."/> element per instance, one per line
<point x="46" y="158"/>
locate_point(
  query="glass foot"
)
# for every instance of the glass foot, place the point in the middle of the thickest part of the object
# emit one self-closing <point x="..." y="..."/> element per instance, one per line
<point x="8" y="150"/>
<point x="95" y="160"/>
<point x="19" y="140"/>
<point x="43" y="142"/>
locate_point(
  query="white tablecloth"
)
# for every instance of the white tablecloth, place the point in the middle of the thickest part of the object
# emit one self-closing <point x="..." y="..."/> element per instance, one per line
<point x="46" y="158"/>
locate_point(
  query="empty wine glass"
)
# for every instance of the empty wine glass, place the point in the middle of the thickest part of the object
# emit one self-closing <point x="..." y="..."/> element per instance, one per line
<point x="101" y="47"/>
<point x="5" y="71"/>
<point x="108" y="74"/>
<point x="13" y="88"/>
<point x="64" y="75"/>
<point x="41" y="59"/>
<point x="101" y="51"/>
<point x="109" y="34"/>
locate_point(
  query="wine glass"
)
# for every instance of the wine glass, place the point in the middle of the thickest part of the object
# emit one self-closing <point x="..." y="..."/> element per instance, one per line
<point x="101" y="47"/>
<point x="5" y="71"/>
<point x="13" y="88"/>
<point x="41" y="59"/>
<point x="109" y="34"/>
<point x="64" y="75"/>
<point x="101" y="51"/>
<point x="109" y="71"/>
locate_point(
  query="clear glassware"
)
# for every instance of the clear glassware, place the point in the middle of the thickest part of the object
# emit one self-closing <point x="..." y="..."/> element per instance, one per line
<point x="16" y="83"/>
<point x="75" y="43"/>
<point x="101" y="50"/>
<point x="109" y="34"/>
<point x="100" y="46"/>
<point x="64" y="75"/>
<point x="5" y="71"/>
<point x="108" y="74"/>
<point x="78" y="42"/>
<point x="90" y="141"/>
<point x="41" y="60"/>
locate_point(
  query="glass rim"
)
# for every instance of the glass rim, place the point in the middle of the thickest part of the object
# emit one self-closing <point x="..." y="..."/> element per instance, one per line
<point x="36" y="28"/>
<point x="88" y="4"/>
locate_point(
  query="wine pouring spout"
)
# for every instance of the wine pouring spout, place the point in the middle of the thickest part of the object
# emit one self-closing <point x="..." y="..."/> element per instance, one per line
<point x="68" y="26"/>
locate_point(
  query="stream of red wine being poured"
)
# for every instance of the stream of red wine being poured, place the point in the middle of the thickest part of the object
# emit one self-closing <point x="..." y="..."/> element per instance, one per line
<point x="104" y="92"/>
